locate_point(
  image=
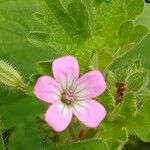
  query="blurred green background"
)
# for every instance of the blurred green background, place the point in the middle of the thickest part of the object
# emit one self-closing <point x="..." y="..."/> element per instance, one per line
<point x="17" y="111"/>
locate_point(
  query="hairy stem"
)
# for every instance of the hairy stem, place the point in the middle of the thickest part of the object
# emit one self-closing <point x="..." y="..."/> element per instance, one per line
<point x="72" y="131"/>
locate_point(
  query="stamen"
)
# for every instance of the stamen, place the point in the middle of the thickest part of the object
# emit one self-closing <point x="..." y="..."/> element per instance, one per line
<point x="68" y="97"/>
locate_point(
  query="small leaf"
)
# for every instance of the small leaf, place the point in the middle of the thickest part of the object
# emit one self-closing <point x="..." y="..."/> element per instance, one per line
<point x="40" y="39"/>
<point x="44" y="67"/>
<point x="125" y="30"/>
<point x="140" y="31"/>
<point x="137" y="81"/>
<point x="40" y="17"/>
<point x="134" y="66"/>
<point x="134" y="8"/>
<point x="128" y="106"/>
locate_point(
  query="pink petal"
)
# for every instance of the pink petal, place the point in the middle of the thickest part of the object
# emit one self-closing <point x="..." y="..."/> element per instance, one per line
<point x="47" y="89"/>
<point x="89" y="112"/>
<point x="90" y="85"/>
<point x="65" y="70"/>
<point x="58" y="116"/>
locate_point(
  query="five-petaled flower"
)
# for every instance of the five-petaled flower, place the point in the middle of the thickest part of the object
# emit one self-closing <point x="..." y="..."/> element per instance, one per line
<point x="71" y="94"/>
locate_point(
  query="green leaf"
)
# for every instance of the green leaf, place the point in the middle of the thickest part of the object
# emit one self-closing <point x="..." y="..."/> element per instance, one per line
<point x="18" y="111"/>
<point x="143" y="96"/>
<point x="44" y="67"/>
<point x="140" y="31"/>
<point x="137" y="81"/>
<point x="108" y="42"/>
<point x="114" y="134"/>
<point x="94" y="144"/>
<point x="40" y="39"/>
<point x="21" y="117"/>
<point x="128" y="106"/>
<point x="144" y="17"/>
<point x="134" y="8"/>
<point x="78" y="12"/>
<point x="81" y="27"/>
<point x="142" y="128"/>
<point x="125" y="30"/>
<point x="40" y="17"/>
<point x="63" y="17"/>
<point x="16" y="22"/>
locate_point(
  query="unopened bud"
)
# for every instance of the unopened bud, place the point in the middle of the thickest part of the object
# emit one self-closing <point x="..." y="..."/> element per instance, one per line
<point x="10" y="77"/>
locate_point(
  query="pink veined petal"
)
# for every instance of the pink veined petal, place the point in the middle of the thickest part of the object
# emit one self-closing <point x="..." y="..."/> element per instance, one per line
<point x="47" y="89"/>
<point x="89" y="112"/>
<point x="58" y="116"/>
<point x="66" y="70"/>
<point x="90" y="85"/>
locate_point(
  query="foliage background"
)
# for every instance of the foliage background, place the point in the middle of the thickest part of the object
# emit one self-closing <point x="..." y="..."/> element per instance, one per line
<point x="17" y="111"/>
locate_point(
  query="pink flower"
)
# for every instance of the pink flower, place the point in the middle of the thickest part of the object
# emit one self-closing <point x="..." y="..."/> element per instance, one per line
<point x="71" y="95"/>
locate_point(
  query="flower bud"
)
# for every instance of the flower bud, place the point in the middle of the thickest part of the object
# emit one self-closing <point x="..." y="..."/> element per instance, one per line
<point x="10" y="77"/>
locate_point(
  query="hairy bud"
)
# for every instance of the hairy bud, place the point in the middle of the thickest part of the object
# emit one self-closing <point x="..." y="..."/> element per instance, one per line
<point x="10" y="77"/>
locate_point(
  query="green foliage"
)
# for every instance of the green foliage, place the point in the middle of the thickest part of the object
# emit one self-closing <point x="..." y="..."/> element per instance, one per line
<point x="141" y="125"/>
<point x="128" y="107"/>
<point x="133" y="9"/>
<point x="112" y="124"/>
<point x="18" y="111"/>
<point x="94" y="144"/>
<point x="21" y="118"/>
<point x="133" y="75"/>
<point x="126" y="27"/>
<point x="98" y="29"/>
<point x="44" y="67"/>
<point x="130" y="115"/>
<point x="108" y="134"/>
<point x="83" y="28"/>
<point x="123" y="121"/>
<point x="16" y="21"/>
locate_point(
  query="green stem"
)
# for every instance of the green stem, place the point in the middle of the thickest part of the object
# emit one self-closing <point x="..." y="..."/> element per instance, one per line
<point x="72" y="131"/>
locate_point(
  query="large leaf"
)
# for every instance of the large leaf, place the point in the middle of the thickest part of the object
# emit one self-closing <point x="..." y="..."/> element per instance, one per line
<point x="16" y="21"/>
<point x="19" y="112"/>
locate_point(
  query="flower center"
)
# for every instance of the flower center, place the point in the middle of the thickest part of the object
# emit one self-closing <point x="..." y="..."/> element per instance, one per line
<point x="68" y="97"/>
